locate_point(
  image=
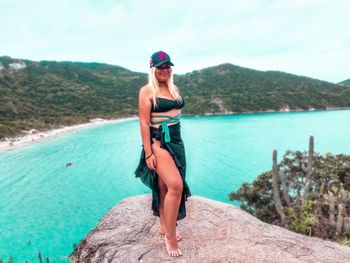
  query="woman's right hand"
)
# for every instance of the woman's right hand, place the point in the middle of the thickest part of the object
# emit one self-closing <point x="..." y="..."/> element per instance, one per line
<point x="151" y="162"/>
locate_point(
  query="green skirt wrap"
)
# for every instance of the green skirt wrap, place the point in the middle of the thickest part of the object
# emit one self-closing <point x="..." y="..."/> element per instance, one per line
<point x="177" y="150"/>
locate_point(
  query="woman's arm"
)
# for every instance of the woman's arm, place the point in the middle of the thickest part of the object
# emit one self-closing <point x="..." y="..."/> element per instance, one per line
<point x="145" y="105"/>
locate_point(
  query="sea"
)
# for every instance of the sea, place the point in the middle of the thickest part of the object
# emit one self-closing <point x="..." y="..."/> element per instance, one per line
<point x="53" y="193"/>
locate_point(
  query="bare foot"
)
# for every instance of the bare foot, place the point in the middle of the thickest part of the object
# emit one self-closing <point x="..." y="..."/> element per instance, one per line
<point x="172" y="248"/>
<point x="178" y="236"/>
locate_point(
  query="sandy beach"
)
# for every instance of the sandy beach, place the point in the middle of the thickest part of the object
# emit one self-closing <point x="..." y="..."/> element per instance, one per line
<point x="34" y="136"/>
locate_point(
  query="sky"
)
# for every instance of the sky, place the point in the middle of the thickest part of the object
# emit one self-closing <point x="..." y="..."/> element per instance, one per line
<point x="303" y="37"/>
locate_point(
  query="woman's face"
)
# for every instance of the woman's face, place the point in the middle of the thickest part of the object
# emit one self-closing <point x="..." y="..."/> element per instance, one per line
<point x="163" y="73"/>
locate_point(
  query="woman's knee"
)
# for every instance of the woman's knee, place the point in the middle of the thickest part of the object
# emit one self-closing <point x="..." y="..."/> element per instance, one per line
<point x="175" y="187"/>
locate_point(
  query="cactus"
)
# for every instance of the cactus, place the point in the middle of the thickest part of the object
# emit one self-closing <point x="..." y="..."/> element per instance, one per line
<point x="343" y="198"/>
<point x="309" y="169"/>
<point x="318" y="201"/>
<point x="276" y="189"/>
<point x="330" y="200"/>
<point x="339" y="226"/>
<point x="310" y="193"/>
<point x="285" y="188"/>
<point x="346" y="225"/>
<point x="338" y="197"/>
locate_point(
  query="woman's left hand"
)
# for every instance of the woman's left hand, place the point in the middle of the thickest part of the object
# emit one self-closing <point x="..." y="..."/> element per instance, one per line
<point x="151" y="162"/>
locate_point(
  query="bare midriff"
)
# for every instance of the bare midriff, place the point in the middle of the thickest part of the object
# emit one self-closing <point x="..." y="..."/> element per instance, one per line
<point x="172" y="112"/>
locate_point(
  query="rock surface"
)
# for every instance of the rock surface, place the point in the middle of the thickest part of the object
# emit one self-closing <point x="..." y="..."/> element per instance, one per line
<point x="212" y="232"/>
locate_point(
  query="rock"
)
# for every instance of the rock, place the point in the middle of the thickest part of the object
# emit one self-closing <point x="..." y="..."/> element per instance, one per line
<point x="212" y="232"/>
<point x="32" y="131"/>
<point x="18" y="65"/>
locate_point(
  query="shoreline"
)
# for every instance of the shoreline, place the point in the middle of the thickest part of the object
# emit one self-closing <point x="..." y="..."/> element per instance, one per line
<point x="34" y="136"/>
<point x="285" y="110"/>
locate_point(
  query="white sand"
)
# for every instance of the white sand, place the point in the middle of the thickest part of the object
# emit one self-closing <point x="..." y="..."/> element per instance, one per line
<point x="34" y="136"/>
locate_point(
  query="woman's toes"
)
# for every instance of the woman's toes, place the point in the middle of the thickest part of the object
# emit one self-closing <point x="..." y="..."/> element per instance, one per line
<point x="172" y="253"/>
<point x="175" y="253"/>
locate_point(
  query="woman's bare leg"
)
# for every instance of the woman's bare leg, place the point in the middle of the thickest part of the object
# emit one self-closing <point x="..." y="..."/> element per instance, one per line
<point x="171" y="177"/>
<point x="162" y="192"/>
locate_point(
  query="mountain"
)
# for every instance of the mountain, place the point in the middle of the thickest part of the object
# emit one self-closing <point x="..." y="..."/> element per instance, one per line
<point x="345" y="82"/>
<point x="230" y="88"/>
<point x="48" y="94"/>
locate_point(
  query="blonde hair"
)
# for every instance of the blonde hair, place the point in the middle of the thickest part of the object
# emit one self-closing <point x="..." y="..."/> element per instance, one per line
<point x="153" y="86"/>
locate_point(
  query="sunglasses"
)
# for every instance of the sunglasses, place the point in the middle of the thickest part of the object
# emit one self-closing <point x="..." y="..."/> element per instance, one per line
<point x="164" y="67"/>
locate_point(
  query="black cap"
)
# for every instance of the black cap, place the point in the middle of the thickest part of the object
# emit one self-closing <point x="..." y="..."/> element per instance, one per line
<point x="160" y="58"/>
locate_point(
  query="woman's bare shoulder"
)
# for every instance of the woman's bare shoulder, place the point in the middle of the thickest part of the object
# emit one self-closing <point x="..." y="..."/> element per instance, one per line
<point x="144" y="90"/>
<point x="144" y="94"/>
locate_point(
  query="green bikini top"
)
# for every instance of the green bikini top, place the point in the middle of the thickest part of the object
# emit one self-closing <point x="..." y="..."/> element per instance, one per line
<point x="165" y="104"/>
<point x="164" y="124"/>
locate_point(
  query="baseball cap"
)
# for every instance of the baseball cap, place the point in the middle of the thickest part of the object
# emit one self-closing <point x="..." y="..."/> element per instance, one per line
<point x="160" y="58"/>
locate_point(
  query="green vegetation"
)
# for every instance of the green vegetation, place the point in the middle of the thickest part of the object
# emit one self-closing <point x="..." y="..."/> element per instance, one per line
<point x="302" y="221"/>
<point x="346" y="242"/>
<point x="345" y="82"/>
<point x="48" y="94"/>
<point x="241" y="90"/>
<point x="306" y="193"/>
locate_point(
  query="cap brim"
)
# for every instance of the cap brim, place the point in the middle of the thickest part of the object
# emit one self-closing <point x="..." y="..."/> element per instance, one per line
<point x="163" y="62"/>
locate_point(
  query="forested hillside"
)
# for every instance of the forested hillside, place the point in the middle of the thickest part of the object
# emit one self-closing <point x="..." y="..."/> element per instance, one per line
<point x="48" y="94"/>
<point x="235" y="89"/>
<point x="345" y="82"/>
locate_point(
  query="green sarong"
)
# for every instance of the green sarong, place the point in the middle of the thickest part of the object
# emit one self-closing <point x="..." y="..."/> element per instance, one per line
<point x="170" y="140"/>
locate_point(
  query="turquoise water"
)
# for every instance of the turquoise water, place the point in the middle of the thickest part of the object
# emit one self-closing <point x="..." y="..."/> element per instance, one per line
<point x="47" y="207"/>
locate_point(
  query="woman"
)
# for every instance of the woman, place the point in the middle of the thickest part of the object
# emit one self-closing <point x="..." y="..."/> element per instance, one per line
<point x="162" y="165"/>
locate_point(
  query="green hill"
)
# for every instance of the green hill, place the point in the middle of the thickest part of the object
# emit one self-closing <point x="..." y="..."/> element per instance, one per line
<point x="48" y="94"/>
<point x="239" y="89"/>
<point x="345" y="82"/>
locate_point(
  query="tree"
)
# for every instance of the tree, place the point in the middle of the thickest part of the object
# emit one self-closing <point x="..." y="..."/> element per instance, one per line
<point x="307" y="192"/>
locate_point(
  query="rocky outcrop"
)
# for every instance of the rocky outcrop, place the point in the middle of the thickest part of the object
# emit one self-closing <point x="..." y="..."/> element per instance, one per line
<point x="213" y="232"/>
<point x="17" y="65"/>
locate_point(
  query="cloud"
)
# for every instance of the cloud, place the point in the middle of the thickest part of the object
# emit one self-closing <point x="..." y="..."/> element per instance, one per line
<point x="302" y="37"/>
